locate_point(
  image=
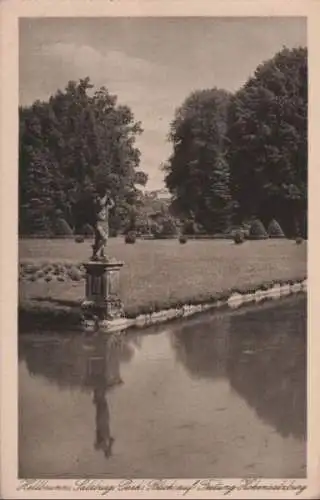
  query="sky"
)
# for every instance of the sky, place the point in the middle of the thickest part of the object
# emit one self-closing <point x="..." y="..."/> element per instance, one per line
<point x="152" y="64"/>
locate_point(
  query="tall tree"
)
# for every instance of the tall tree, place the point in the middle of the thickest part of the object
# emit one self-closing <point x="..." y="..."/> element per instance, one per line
<point x="268" y="141"/>
<point x="80" y="138"/>
<point x="197" y="173"/>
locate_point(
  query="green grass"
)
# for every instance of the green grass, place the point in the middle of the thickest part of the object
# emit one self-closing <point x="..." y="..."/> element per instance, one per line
<point x="161" y="273"/>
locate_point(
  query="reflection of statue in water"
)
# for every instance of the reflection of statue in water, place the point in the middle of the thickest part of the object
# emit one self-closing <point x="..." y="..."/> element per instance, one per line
<point x="89" y="362"/>
<point x="104" y="373"/>
<point x="102" y="204"/>
<point x="104" y="440"/>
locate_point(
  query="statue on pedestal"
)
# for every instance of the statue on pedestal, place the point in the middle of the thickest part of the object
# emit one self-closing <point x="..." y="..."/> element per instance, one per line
<point x="102" y="306"/>
<point x="102" y="204"/>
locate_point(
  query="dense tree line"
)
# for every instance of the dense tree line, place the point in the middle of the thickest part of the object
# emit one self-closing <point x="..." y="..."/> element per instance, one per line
<point x="78" y="139"/>
<point x="243" y="156"/>
<point x="236" y="157"/>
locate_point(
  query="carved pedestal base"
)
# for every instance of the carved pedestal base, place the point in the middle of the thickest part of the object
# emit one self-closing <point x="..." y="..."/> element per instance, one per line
<point x="102" y="307"/>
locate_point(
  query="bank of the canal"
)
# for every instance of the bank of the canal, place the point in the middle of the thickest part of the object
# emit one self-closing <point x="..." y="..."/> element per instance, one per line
<point x="159" y="281"/>
<point x="60" y="314"/>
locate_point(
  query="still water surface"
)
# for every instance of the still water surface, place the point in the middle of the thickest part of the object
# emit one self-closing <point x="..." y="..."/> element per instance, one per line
<point x="220" y="395"/>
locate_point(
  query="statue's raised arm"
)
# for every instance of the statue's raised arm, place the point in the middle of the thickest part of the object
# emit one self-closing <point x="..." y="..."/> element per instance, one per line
<point x="110" y="202"/>
<point x="103" y="203"/>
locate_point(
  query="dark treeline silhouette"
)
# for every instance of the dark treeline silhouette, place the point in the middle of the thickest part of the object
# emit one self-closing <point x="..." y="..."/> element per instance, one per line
<point x="77" y="140"/>
<point x="235" y="158"/>
<point x="242" y="156"/>
<point x="91" y="364"/>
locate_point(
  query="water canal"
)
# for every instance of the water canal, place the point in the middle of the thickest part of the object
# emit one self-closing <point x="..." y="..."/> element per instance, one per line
<point x="219" y="395"/>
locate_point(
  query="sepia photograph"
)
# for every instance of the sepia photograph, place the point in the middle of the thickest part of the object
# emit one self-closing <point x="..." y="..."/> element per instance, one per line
<point x="162" y="240"/>
<point x="162" y="170"/>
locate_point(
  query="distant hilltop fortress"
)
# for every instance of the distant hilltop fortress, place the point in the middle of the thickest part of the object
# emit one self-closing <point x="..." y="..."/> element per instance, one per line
<point x="160" y="194"/>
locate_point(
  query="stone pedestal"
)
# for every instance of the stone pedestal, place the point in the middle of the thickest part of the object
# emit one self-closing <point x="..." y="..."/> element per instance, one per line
<point x="102" y="306"/>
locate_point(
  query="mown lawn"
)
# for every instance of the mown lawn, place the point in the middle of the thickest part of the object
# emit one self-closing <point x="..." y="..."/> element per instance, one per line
<point x="166" y="272"/>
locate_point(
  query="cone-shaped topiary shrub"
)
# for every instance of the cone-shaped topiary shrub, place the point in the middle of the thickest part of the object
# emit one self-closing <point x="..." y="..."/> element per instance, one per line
<point x="257" y="231"/>
<point x="62" y="228"/>
<point x="274" y="229"/>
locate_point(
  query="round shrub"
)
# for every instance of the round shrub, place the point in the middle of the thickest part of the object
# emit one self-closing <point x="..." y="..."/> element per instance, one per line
<point x="56" y="270"/>
<point x="238" y="237"/>
<point x="62" y="228"/>
<point x="30" y="268"/>
<point x="74" y="273"/>
<point x="257" y="231"/>
<point x="183" y="238"/>
<point x="79" y="238"/>
<point x="130" y="237"/>
<point x="274" y="229"/>
<point x="49" y="268"/>
<point x="59" y="267"/>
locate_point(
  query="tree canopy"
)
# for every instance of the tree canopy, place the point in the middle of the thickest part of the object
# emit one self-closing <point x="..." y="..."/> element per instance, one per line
<point x="235" y="157"/>
<point x="268" y="141"/>
<point x="245" y="154"/>
<point x="68" y="145"/>
<point x="197" y="171"/>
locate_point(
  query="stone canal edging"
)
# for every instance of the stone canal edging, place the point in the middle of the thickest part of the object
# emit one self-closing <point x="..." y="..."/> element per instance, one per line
<point x="52" y="317"/>
<point x="235" y="300"/>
